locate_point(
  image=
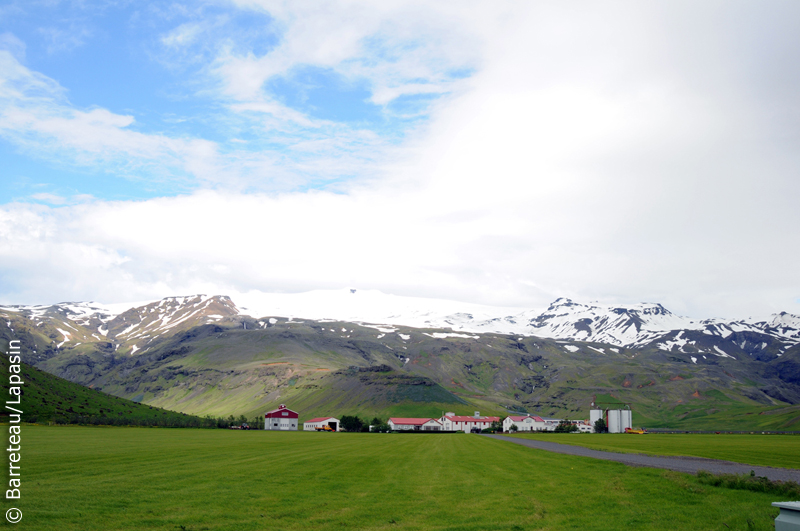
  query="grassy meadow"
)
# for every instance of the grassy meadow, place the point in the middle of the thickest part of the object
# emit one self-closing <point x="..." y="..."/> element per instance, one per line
<point x="781" y="451"/>
<point x="94" y="478"/>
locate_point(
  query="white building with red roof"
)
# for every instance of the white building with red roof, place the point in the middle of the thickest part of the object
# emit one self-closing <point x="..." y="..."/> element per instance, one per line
<point x="414" y="424"/>
<point x="321" y="422"/>
<point x="452" y="422"/>
<point x="525" y="423"/>
<point x="282" y="419"/>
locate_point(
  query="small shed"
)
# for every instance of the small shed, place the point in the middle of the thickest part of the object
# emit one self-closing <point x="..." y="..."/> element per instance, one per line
<point x="282" y="419"/>
<point x="320" y="422"/>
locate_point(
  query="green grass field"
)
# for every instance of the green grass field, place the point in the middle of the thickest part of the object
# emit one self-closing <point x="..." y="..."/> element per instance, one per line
<point x="87" y="478"/>
<point x="781" y="451"/>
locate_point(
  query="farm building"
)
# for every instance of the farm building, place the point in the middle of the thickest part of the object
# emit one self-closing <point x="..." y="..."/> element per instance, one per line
<point x="318" y="423"/>
<point x="551" y="424"/>
<point x="282" y="419"/>
<point x="453" y="422"/>
<point x="524" y="423"/>
<point x="408" y="424"/>
<point x="616" y="419"/>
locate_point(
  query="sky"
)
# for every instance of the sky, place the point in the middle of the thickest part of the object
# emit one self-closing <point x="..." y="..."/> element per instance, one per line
<point x="497" y="153"/>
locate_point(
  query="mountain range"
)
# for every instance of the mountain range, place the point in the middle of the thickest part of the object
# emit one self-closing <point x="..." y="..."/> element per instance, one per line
<point x="357" y="351"/>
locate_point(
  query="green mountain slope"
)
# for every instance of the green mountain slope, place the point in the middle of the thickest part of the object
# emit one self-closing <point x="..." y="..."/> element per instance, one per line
<point x="48" y="398"/>
<point x="198" y="356"/>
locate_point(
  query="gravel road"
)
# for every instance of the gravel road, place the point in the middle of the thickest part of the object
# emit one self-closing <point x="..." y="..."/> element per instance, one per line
<point x="680" y="464"/>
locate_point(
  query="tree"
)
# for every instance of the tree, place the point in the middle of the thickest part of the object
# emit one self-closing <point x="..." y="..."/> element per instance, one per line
<point x="565" y="426"/>
<point x="600" y="426"/>
<point x="351" y="423"/>
<point x="378" y="426"/>
<point x="513" y="427"/>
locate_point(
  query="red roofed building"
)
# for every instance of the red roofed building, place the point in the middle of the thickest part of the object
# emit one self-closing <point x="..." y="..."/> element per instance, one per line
<point x="406" y="424"/>
<point x="320" y="422"/>
<point x="282" y="419"/>
<point x="525" y="423"/>
<point x="452" y="422"/>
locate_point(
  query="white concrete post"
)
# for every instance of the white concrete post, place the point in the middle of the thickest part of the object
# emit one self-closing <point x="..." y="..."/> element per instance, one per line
<point x="789" y="518"/>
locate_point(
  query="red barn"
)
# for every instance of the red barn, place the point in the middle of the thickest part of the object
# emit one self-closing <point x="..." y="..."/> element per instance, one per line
<point x="282" y="418"/>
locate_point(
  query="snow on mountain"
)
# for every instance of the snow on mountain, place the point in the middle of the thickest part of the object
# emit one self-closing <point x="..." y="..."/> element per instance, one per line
<point x="637" y="325"/>
<point x="618" y="325"/>
<point x="130" y="326"/>
<point x="624" y="325"/>
<point x="145" y="323"/>
<point x="640" y="324"/>
<point x="368" y="306"/>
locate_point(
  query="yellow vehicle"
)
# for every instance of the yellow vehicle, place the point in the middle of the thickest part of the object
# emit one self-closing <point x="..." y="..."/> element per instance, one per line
<point x="324" y="428"/>
<point x="637" y="431"/>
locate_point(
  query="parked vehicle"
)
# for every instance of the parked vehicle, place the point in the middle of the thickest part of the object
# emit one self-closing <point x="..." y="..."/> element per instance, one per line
<point x="324" y="428"/>
<point x="636" y="431"/>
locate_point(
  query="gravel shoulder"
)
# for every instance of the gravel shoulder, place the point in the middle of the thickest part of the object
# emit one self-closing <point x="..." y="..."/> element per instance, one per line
<point x="679" y="464"/>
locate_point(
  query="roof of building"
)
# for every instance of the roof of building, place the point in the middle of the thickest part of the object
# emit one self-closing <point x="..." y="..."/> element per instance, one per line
<point x="411" y="421"/>
<point x="466" y="418"/>
<point x="280" y="409"/>
<point x="320" y="419"/>
<point x="516" y="418"/>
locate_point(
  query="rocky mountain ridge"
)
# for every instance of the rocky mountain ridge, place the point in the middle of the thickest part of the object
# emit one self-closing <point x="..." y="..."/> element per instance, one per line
<point x="207" y="355"/>
<point x="638" y="325"/>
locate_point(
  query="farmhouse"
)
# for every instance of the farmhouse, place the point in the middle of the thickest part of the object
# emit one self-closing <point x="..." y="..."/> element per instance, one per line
<point x="406" y="424"/>
<point x="524" y="423"/>
<point x="282" y="419"/>
<point x="551" y="424"/>
<point x="453" y="422"/>
<point x="320" y="422"/>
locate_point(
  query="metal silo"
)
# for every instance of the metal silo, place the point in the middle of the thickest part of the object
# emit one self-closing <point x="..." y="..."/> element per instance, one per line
<point x="614" y="421"/>
<point x="627" y="419"/>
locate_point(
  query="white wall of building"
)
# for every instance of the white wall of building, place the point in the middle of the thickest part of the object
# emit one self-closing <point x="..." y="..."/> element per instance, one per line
<point x="280" y="424"/>
<point x="312" y="426"/>
<point x="526" y="424"/>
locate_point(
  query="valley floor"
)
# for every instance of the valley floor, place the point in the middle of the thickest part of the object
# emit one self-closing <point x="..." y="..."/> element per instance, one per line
<point x="677" y="463"/>
<point x="86" y="478"/>
<point x="781" y="451"/>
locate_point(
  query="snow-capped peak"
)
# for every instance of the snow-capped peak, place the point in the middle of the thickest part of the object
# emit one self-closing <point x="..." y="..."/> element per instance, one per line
<point x="629" y="325"/>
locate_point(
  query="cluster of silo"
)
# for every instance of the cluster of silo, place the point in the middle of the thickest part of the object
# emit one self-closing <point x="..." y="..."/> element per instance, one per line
<point x="616" y="419"/>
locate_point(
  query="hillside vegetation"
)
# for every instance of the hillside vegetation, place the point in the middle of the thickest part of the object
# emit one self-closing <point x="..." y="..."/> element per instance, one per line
<point x="198" y="356"/>
<point x="50" y="399"/>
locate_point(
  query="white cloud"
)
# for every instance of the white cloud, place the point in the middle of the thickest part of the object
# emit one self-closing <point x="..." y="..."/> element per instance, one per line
<point x="400" y="48"/>
<point x="36" y="116"/>
<point x="53" y="199"/>
<point x="183" y="35"/>
<point x="64" y="40"/>
<point x="10" y="42"/>
<point x="613" y="153"/>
